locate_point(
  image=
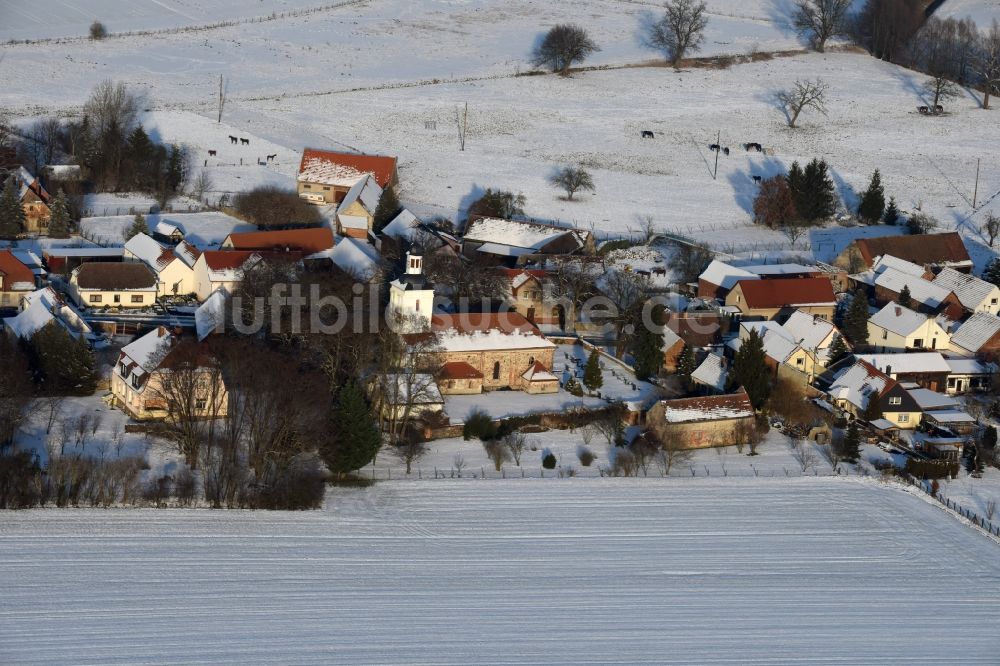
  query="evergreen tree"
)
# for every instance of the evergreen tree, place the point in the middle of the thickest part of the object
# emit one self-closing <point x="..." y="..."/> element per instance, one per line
<point x="357" y="439"/>
<point x="138" y="227"/>
<point x="891" y="215"/>
<point x="872" y="203"/>
<point x="12" y="219"/>
<point x="850" y="445"/>
<point x="873" y="408"/>
<point x="61" y="365"/>
<point x="592" y="378"/>
<point x="140" y="154"/>
<point x="387" y="209"/>
<point x="818" y="199"/>
<point x="988" y="440"/>
<point x="686" y="366"/>
<point x="647" y="347"/>
<point x="750" y="370"/>
<point x="856" y="320"/>
<point x="838" y="348"/>
<point x="992" y="272"/>
<point x="904" y="296"/>
<point x="59" y="216"/>
<point x="175" y="172"/>
<point x="797" y="186"/>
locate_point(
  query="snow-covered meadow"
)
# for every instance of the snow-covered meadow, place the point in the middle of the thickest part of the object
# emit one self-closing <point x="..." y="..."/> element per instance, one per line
<point x="613" y="571"/>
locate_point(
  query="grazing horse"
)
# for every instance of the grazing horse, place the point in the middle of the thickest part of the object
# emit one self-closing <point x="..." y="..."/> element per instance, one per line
<point x="271" y="157"/>
<point x="244" y="142"/>
<point x="713" y="146"/>
<point x="647" y="134"/>
<point x="923" y="109"/>
<point x="725" y="151"/>
<point x="211" y="153"/>
<point x="232" y="139"/>
<point x="755" y="179"/>
<point x="938" y="109"/>
<point x="753" y="146"/>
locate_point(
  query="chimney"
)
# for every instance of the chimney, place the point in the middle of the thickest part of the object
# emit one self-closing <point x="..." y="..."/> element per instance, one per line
<point x="899" y="310"/>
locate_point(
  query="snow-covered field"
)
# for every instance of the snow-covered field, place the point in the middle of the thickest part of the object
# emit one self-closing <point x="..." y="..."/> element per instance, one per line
<point x="817" y="571"/>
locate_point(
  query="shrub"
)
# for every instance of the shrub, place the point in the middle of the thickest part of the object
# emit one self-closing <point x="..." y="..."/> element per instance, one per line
<point x="185" y="487"/>
<point x="271" y="207"/>
<point x="498" y="452"/>
<point x="98" y="31"/>
<point x="300" y="487"/>
<point x="479" y="425"/>
<point x="586" y="456"/>
<point x="20" y="481"/>
<point x="549" y="460"/>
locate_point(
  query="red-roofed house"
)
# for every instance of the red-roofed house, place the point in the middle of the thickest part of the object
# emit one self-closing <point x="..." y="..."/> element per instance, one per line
<point x="935" y="250"/>
<point x="458" y="377"/>
<point x="16" y="280"/>
<point x="34" y="200"/>
<point x="530" y="296"/>
<point x="777" y="299"/>
<point x="326" y="177"/>
<point x="306" y="241"/>
<point x="220" y="269"/>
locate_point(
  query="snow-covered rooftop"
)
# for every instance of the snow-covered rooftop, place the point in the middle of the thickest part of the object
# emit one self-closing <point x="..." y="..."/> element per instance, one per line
<point x="856" y="383"/>
<point x="455" y="341"/>
<point x="355" y="257"/>
<point x="523" y="235"/>
<point x="402" y="226"/>
<point x="928" y="399"/>
<point x="725" y="275"/>
<point x="148" y="351"/>
<point x="711" y="372"/>
<point x="976" y="331"/>
<point x="210" y="315"/>
<point x="921" y="290"/>
<point x="898" y="319"/>
<point x="971" y="291"/>
<point x="325" y="172"/>
<point x="909" y="363"/>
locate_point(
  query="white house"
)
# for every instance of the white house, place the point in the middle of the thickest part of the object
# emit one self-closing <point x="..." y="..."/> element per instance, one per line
<point x="221" y="269"/>
<point x="174" y="275"/>
<point x="898" y="328"/>
<point x="356" y="213"/>
<point x="412" y="295"/>
<point x="42" y="307"/>
<point x="975" y="294"/>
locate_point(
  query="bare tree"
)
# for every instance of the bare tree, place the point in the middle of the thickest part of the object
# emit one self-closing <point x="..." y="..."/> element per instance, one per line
<point x="111" y="108"/>
<point x="627" y="291"/>
<point x="986" y="63"/>
<point x="409" y="451"/>
<point x="819" y="20"/>
<point x="516" y="443"/>
<point x="991" y="227"/>
<point x="201" y="185"/>
<point x="573" y="282"/>
<point x="53" y="406"/>
<point x="458" y="462"/>
<point x="673" y="451"/>
<point x="587" y="435"/>
<point x="745" y="434"/>
<point x="623" y="462"/>
<point x="117" y="437"/>
<point x="497" y="451"/>
<point x="793" y="230"/>
<point x="940" y="87"/>
<point x="6" y="128"/>
<point x="81" y="427"/>
<point x="47" y="134"/>
<point x="403" y="380"/>
<point x="645" y="448"/>
<point x="681" y="30"/>
<point x="562" y="46"/>
<point x="609" y="422"/>
<point x="571" y="179"/>
<point x="803" y="454"/>
<point x="803" y="95"/>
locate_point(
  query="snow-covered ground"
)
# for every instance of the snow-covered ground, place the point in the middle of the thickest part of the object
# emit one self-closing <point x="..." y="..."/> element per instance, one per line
<point x="812" y="570"/>
<point x="206" y="229"/>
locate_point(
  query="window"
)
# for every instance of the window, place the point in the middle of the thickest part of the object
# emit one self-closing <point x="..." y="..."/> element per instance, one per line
<point x="95" y="298"/>
<point x="496" y="370"/>
<point x="885" y="335"/>
<point x="918" y="342"/>
<point x="903" y="418"/>
<point x="418" y="305"/>
<point x="951" y="382"/>
<point x="993" y="301"/>
<point x="137" y="299"/>
<point x="135" y="381"/>
<point x="895" y="400"/>
<point x="307" y="187"/>
<point x="199" y="403"/>
<point x="799" y="361"/>
<point x="326" y="189"/>
<point x="123" y="369"/>
<point x="117" y="298"/>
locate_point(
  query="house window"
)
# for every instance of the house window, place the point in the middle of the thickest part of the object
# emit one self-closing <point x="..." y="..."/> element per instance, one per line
<point x="95" y="298"/>
<point x="199" y="403"/>
<point x="885" y="335"/>
<point x="951" y="382"/>
<point x="137" y="299"/>
<point x="123" y="369"/>
<point x="993" y="301"/>
<point x="918" y="342"/>
<point x="798" y="361"/>
<point x="496" y="370"/>
<point x="135" y="381"/>
<point x="903" y="418"/>
<point x="895" y="400"/>
<point x="326" y="189"/>
<point x="531" y="360"/>
<point x="307" y="187"/>
<point x="418" y="305"/>
<point x="117" y="298"/>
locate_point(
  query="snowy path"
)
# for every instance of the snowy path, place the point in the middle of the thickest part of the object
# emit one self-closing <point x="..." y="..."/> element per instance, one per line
<point x="818" y="571"/>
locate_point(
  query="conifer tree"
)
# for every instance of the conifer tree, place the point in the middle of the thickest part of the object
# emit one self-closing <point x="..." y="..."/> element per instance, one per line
<point x="12" y="219"/>
<point x="891" y="215"/>
<point x="818" y="199"/>
<point x="904" y="296"/>
<point x="856" y="320"/>
<point x="138" y="227"/>
<point x="60" y="364"/>
<point x="59" y="216"/>
<point x="797" y="186"/>
<point x="872" y="203"/>
<point x="850" y="446"/>
<point x="592" y="378"/>
<point x="750" y="370"/>
<point x="873" y="409"/>
<point x="388" y="208"/>
<point x="992" y="272"/>
<point x="647" y="347"/>
<point x="686" y="366"/>
<point x="357" y="439"/>
<point x="838" y="348"/>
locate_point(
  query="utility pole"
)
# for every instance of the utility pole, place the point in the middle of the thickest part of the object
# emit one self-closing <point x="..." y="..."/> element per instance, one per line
<point x="975" y="190"/>
<point x="718" y="149"/>
<point x="462" y="127"/>
<point x="222" y="99"/>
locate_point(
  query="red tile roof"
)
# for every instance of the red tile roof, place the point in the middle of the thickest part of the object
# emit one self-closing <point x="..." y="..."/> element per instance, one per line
<point x="14" y="271"/>
<point x="921" y="249"/>
<point x="381" y="166"/>
<point x="309" y="241"/>
<point x="459" y="370"/>
<point x="764" y="294"/>
<point x="468" y="322"/>
<point x="221" y="260"/>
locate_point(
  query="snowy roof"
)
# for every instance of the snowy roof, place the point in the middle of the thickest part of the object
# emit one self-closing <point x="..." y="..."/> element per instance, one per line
<point x="781" y="269"/>
<point x="538" y="373"/>
<point x="887" y="261"/>
<point x="167" y="229"/>
<point x="708" y="408"/>
<point x="515" y="234"/>
<point x="921" y="291"/>
<point x="147" y="250"/>
<point x="723" y="275"/>
<point x="916" y="362"/>
<point x="83" y="251"/>
<point x="366" y="192"/>
<point x="354" y="257"/>
<point x="950" y="416"/>
<point x="928" y="399"/>
<point x="898" y="319"/>
<point x="504" y="250"/>
<point x="811" y="331"/>
<point x="402" y="226"/>
<point x="670" y="338"/>
<point x="456" y="341"/>
<point x="970" y="366"/>
<point x="210" y="315"/>
<point x="883" y="424"/>
<point x="226" y="265"/>
<point x="976" y="331"/>
<point x="187" y="253"/>
<point x="711" y="372"/>
<point x="856" y="383"/>
<point x="42" y="307"/>
<point x="344" y="169"/>
<point x="148" y="351"/>
<point x="971" y="291"/>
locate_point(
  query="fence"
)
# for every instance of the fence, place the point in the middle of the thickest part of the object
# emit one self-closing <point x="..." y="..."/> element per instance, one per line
<point x="977" y="520"/>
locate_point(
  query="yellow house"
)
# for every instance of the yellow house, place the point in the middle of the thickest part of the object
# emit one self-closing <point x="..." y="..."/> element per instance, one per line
<point x="138" y="380"/>
<point x="853" y="389"/>
<point x="34" y="200"/>
<point x="356" y="213"/>
<point x="16" y="280"/>
<point x="174" y="275"/>
<point x="778" y="298"/>
<point x="326" y="177"/>
<point x="898" y="328"/>
<point x="126" y="285"/>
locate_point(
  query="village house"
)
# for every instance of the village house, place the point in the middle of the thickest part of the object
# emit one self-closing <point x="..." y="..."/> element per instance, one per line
<point x="933" y="251"/>
<point x="513" y="242"/>
<point x="852" y="389"/>
<point x="978" y="336"/>
<point x="125" y="285"/>
<point x="712" y="373"/>
<point x="777" y="299"/>
<point x="16" y="280"/>
<point x="975" y="294"/>
<point x="34" y="200"/>
<point x="531" y="296"/>
<point x="925" y="296"/>
<point x="694" y="329"/>
<point x="63" y="260"/>
<point x="356" y="212"/>
<point x="803" y="346"/>
<point x="969" y="374"/>
<point x="174" y="275"/>
<point x="326" y="177"/>
<point x="167" y="232"/>
<point x="222" y="269"/>
<point x="44" y="307"/>
<point x="702" y="422"/>
<point x="137" y="379"/>
<point x="718" y="278"/>
<point x="927" y="369"/>
<point x="307" y="241"/>
<point x="898" y="328"/>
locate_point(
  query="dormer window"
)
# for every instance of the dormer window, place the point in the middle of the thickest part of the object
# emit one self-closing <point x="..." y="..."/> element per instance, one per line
<point x="135" y="381"/>
<point x="895" y="400"/>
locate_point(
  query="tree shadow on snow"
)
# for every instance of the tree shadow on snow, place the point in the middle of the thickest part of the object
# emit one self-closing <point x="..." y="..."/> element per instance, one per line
<point x="847" y="193"/>
<point x="910" y="84"/>
<point x="744" y="188"/>
<point x="644" y="28"/>
<point x="462" y="214"/>
<point x="779" y="12"/>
